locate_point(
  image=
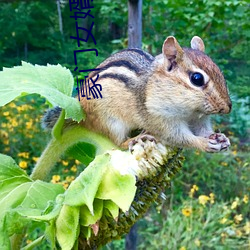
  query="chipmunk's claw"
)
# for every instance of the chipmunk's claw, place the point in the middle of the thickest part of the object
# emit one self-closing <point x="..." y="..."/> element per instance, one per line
<point x="141" y="139"/>
<point x="218" y="142"/>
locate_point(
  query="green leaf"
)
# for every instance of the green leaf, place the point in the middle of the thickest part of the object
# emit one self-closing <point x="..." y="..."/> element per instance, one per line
<point x="45" y="217"/>
<point x="83" y="189"/>
<point x="118" y="188"/>
<point x="67" y="226"/>
<point x="14" y="198"/>
<point x="9" y="168"/>
<point x="86" y="218"/>
<point x="83" y="152"/>
<point x="6" y="186"/>
<point x="53" y="82"/>
<point x="14" y="223"/>
<point x="39" y="194"/>
<point x="112" y="208"/>
<point x="4" y="240"/>
<point x="20" y="197"/>
<point x="50" y="234"/>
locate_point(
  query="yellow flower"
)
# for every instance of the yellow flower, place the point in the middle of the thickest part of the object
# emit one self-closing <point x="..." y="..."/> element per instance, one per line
<point x="235" y="203"/>
<point x="77" y="162"/>
<point x="234" y="152"/>
<point x="55" y="178"/>
<point x="4" y="134"/>
<point x="29" y="124"/>
<point x="73" y="168"/>
<point x="245" y="199"/>
<point x="23" y="164"/>
<point x="238" y="218"/>
<point x="6" y="113"/>
<point x="14" y="123"/>
<point x="203" y="199"/>
<point x="35" y="159"/>
<point x="247" y="227"/>
<point x="197" y="242"/>
<point x="224" y="164"/>
<point x="211" y="195"/>
<point x="193" y="190"/>
<point x="182" y="248"/>
<point x="12" y="105"/>
<point x="223" y="220"/>
<point x="6" y="141"/>
<point x="65" y="163"/>
<point x="187" y="211"/>
<point x="70" y="178"/>
<point x="20" y="108"/>
<point x="24" y="154"/>
<point x="65" y="185"/>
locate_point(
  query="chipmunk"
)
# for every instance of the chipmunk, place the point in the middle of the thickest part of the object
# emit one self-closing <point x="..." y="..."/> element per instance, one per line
<point x="170" y="96"/>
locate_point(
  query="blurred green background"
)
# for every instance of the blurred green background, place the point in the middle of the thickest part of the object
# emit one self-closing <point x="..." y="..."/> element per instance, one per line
<point x="207" y="206"/>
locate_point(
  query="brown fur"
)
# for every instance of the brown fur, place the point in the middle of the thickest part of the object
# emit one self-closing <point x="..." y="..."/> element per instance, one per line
<point x="156" y="95"/>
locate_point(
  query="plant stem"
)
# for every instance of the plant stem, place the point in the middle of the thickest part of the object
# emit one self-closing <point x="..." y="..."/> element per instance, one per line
<point x="57" y="147"/>
<point x="16" y="240"/>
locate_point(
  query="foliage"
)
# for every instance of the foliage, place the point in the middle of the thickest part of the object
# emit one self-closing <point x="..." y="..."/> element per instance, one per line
<point x="199" y="223"/>
<point x="41" y="80"/>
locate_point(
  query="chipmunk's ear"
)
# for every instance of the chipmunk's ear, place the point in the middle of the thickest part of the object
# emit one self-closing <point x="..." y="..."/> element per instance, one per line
<point x="197" y="43"/>
<point x="172" y="50"/>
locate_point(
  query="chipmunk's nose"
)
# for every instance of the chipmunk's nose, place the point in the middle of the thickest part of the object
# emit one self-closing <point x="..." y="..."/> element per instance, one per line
<point x="227" y="108"/>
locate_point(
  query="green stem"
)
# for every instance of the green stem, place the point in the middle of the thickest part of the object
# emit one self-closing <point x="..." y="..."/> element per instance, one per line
<point x="16" y="240"/>
<point x="57" y="147"/>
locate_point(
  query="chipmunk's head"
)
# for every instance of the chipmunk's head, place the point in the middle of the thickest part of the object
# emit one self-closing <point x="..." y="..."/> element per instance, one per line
<point x="197" y="75"/>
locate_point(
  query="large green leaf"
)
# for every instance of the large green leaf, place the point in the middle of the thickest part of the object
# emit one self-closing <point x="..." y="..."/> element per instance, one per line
<point x="83" y="152"/>
<point x="118" y="188"/>
<point x="40" y="193"/>
<point x="83" y="189"/>
<point x="67" y="226"/>
<point x="53" y="82"/>
<point x="86" y="218"/>
<point x="21" y="197"/>
<point x="6" y="186"/>
<point x="9" y="168"/>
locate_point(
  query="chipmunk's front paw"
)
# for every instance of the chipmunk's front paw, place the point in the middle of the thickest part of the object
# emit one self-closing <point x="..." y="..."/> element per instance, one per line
<point x="218" y="142"/>
<point x="141" y="139"/>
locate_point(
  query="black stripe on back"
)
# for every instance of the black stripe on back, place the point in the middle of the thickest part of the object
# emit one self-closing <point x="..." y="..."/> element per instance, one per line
<point x="122" y="63"/>
<point x="117" y="77"/>
<point x="118" y="63"/>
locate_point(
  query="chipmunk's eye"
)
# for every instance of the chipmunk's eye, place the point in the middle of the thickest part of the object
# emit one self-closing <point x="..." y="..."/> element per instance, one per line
<point x="197" y="79"/>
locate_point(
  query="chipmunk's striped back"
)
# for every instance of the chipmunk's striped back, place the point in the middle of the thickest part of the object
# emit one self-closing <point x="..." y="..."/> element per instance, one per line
<point x="125" y="66"/>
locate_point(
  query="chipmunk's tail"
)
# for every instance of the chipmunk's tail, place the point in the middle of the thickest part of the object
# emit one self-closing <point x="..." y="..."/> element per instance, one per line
<point x="50" y="118"/>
